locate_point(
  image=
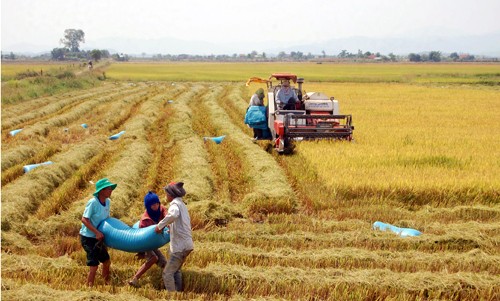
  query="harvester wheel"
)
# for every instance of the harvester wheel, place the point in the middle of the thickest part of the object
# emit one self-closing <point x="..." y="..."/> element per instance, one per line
<point x="289" y="146"/>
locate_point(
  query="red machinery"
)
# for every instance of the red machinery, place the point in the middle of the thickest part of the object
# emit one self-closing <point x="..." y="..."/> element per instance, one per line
<point x="313" y="116"/>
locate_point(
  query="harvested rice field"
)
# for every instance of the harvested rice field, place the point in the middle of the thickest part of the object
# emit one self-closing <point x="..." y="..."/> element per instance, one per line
<point x="425" y="156"/>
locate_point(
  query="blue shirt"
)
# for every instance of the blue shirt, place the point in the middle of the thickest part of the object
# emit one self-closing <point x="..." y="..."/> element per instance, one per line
<point x="284" y="94"/>
<point x="96" y="213"/>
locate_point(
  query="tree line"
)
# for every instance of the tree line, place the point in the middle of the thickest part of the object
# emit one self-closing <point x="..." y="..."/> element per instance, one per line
<point x="73" y="37"/>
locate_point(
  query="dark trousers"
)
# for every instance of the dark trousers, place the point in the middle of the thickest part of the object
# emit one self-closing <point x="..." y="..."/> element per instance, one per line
<point x="257" y="133"/>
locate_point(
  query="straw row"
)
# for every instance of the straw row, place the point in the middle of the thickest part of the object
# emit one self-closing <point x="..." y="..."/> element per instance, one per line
<point x="42" y="128"/>
<point x="192" y="165"/>
<point x="271" y="192"/>
<point x="457" y="238"/>
<point x="37" y="108"/>
<point x="17" y="170"/>
<point x="23" y="197"/>
<point x="345" y="258"/>
<point x="230" y="180"/>
<point x="335" y="284"/>
<point x="227" y="161"/>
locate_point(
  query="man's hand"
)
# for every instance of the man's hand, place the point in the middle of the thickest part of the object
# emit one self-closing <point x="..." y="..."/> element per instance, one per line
<point x="157" y="230"/>
<point x="99" y="236"/>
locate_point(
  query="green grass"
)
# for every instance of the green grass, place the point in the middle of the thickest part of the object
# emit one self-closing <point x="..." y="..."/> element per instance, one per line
<point x="30" y="80"/>
<point x="327" y="72"/>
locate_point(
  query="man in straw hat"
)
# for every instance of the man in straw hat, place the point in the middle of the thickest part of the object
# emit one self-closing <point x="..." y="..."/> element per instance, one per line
<point x="181" y="239"/>
<point x="96" y="210"/>
<point x="286" y="98"/>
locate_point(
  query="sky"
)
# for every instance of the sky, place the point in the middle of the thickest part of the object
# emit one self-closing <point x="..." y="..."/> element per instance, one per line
<point x="286" y="22"/>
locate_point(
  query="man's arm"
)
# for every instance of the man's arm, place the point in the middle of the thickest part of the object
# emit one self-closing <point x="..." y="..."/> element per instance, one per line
<point x="278" y="97"/>
<point x="172" y="215"/>
<point x="88" y="224"/>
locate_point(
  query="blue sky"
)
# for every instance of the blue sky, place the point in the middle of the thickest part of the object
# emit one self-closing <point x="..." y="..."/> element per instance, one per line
<point x="225" y="21"/>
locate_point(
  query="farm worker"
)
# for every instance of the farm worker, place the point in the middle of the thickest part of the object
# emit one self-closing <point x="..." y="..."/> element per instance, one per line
<point x="181" y="239"/>
<point x="152" y="215"/>
<point x="286" y="96"/>
<point x="96" y="210"/>
<point x="257" y="100"/>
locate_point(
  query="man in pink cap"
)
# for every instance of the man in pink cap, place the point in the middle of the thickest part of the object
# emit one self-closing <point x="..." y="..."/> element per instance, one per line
<point x="181" y="239"/>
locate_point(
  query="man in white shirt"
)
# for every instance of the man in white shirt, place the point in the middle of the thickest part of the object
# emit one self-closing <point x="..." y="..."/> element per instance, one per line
<point x="181" y="239"/>
<point x="286" y="96"/>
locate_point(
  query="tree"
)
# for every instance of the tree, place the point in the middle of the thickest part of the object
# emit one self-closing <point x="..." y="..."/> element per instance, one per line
<point x="435" y="56"/>
<point x="454" y="56"/>
<point x="96" y="54"/>
<point x="58" y="54"/>
<point x="471" y="57"/>
<point x="73" y="38"/>
<point x="414" y="57"/>
<point x="343" y="53"/>
<point x="323" y="53"/>
<point x="296" y="55"/>
<point x="104" y="53"/>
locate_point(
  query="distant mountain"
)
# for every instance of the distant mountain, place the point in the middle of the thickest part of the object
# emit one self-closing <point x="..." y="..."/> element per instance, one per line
<point x="27" y="49"/>
<point x="153" y="46"/>
<point x="474" y="44"/>
<point x="488" y="44"/>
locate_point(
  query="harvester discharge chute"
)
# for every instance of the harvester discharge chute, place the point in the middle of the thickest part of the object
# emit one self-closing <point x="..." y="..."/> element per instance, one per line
<point x="304" y="116"/>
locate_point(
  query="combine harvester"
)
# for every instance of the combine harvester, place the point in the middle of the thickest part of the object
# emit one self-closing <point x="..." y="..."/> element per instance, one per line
<point x="314" y="116"/>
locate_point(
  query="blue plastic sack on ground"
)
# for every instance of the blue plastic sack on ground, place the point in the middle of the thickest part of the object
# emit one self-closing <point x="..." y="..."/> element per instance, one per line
<point x="256" y="117"/>
<point x="15" y="132"/>
<point x="29" y="167"/>
<point x="217" y="140"/>
<point x="116" y="136"/>
<point x="403" y="232"/>
<point x="120" y="236"/>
